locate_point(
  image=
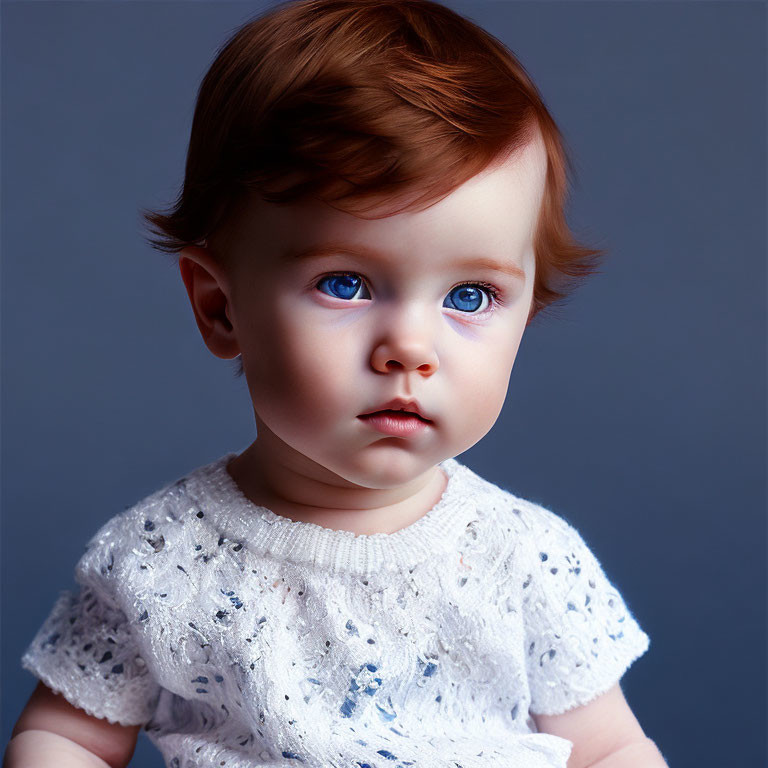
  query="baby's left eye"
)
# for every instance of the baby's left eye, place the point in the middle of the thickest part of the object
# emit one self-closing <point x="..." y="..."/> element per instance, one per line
<point x="467" y="295"/>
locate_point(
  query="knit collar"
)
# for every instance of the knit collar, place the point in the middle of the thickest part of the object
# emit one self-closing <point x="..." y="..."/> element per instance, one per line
<point x="263" y="531"/>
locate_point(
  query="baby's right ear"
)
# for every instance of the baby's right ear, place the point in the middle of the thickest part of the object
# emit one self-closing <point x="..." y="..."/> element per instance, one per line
<point x="209" y="294"/>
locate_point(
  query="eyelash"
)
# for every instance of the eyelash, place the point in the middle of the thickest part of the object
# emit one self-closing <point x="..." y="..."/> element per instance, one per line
<point x="495" y="294"/>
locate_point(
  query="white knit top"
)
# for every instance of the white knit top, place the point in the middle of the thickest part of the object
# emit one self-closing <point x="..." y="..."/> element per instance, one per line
<point x="241" y="638"/>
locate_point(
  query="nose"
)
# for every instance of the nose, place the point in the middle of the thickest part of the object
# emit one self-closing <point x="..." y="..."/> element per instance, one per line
<point x="405" y="342"/>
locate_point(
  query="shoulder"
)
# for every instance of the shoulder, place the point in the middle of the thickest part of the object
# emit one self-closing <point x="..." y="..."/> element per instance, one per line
<point x="165" y="550"/>
<point x="128" y="541"/>
<point x="538" y="548"/>
<point x="556" y="549"/>
<point x="526" y="521"/>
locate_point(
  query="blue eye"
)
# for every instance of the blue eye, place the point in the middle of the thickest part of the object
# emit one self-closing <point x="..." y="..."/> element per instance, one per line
<point x="343" y="285"/>
<point x="469" y="297"/>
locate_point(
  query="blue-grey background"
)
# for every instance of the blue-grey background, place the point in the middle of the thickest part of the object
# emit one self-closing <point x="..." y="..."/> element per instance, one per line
<point x="637" y="413"/>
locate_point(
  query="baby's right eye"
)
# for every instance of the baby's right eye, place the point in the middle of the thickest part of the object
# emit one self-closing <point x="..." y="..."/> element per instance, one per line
<point x="343" y="285"/>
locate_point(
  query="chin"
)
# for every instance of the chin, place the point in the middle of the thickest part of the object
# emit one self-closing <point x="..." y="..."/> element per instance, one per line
<point x="382" y="472"/>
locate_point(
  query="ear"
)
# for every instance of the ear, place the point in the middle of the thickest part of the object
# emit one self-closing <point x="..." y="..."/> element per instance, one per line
<point x="208" y="292"/>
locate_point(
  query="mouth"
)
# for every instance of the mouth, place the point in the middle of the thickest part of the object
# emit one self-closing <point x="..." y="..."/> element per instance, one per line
<point x="399" y="408"/>
<point x="396" y="414"/>
<point x="403" y="424"/>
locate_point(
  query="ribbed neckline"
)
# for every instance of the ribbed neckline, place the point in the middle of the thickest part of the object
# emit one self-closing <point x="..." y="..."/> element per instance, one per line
<point x="263" y="531"/>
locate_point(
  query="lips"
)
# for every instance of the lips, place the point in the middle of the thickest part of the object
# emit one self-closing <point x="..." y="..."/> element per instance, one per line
<point x="400" y="405"/>
<point x="402" y="424"/>
<point x="389" y="411"/>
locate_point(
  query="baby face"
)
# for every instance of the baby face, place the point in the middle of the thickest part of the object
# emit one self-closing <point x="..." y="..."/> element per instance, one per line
<point x="335" y="315"/>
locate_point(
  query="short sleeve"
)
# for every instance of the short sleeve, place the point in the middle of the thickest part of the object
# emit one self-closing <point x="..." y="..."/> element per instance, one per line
<point x="87" y="649"/>
<point x="580" y="636"/>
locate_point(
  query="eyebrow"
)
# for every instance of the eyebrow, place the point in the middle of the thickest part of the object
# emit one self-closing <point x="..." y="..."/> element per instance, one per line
<point x="335" y="249"/>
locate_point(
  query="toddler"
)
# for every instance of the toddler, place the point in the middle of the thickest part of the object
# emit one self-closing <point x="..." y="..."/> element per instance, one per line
<point x="372" y="214"/>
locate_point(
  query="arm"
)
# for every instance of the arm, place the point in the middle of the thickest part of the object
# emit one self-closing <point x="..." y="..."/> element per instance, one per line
<point x="52" y="732"/>
<point x="605" y="734"/>
<point x="40" y="749"/>
<point x="638" y="754"/>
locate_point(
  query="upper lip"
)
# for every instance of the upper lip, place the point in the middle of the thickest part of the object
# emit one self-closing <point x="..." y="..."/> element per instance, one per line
<point x="400" y="404"/>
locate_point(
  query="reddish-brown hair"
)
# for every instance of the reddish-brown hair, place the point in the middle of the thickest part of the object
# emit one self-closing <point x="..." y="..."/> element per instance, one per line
<point x="356" y="102"/>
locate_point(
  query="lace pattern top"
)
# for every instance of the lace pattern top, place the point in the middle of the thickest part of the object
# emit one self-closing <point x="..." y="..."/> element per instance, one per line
<point x="241" y="638"/>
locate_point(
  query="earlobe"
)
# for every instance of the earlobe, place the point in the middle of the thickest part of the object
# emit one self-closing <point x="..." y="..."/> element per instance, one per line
<point x="209" y="296"/>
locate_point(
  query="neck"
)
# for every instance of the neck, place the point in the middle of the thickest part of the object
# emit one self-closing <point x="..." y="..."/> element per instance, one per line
<point x="275" y="476"/>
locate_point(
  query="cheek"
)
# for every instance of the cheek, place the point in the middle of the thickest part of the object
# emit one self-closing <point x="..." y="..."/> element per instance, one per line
<point x="479" y="378"/>
<point x="303" y="373"/>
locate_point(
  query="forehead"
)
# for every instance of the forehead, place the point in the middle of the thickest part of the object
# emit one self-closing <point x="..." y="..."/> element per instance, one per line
<point x="493" y="213"/>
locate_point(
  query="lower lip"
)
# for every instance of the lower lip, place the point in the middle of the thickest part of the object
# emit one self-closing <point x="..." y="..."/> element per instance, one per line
<point x="393" y="424"/>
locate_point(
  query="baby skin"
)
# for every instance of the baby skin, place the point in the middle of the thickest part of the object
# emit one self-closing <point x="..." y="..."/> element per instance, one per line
<point x="335" y="315"/>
